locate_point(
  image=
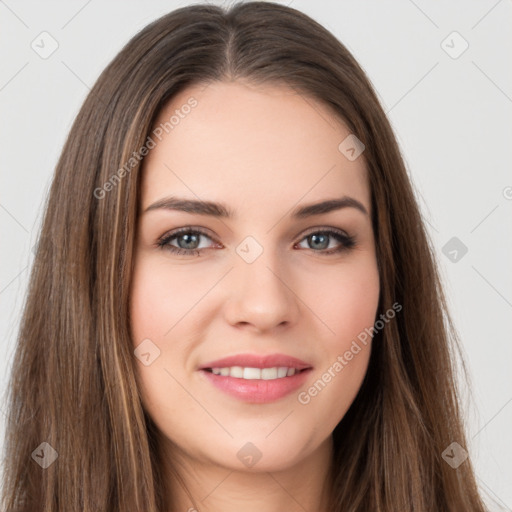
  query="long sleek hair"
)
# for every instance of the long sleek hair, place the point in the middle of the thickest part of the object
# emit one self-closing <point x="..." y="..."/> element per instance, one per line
<point x="74" y="384"/>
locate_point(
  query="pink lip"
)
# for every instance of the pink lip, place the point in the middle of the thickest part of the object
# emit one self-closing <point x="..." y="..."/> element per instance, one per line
<point x="257" y="390"/>
<point x="257" y="361"/>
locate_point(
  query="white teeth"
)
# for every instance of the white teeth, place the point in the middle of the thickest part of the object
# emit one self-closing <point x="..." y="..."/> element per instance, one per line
<point x="281" y="372"/>
<point x="252" y="373"/>
<point x="269" y="373"/>
<point x="255" y="373"/>
<point x="236" y="371"/>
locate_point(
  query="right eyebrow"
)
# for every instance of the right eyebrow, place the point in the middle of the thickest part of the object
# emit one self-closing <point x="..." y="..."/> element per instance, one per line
<point x="191" y="206"/>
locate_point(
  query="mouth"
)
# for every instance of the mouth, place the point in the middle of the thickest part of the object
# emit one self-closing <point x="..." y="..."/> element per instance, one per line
<point x="256" y="379"/>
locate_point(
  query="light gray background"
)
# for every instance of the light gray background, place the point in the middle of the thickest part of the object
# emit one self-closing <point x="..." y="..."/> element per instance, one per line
<point x="451" y="117"/>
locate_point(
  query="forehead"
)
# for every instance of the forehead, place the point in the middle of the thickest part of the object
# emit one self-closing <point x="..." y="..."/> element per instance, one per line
<point x="247" y="144"/>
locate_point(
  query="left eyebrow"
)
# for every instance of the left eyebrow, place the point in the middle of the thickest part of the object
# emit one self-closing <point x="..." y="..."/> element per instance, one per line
<point x="220" y="210"/>
<point x="328" y="206"/>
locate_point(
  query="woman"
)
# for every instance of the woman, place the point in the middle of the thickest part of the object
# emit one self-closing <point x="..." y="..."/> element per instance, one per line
<point x="234" y="303"/>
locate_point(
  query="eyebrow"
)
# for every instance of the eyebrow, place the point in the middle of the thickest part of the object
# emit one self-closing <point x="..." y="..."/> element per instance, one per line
<point x="220" y="210"/>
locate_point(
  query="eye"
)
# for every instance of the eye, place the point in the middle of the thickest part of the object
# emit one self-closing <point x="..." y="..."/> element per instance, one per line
<point x="319" y="241"/>
<point x="188" y="241"/>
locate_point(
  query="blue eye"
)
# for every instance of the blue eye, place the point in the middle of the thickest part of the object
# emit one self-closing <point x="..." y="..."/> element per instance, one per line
<point x="320" y="239"/>
<point x="189" y="241"/>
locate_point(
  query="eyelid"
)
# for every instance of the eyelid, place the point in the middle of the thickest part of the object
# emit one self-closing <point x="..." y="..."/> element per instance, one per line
<point x="317" y="229"/>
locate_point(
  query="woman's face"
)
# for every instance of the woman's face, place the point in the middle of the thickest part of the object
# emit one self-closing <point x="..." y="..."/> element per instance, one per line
<point x="268" y="276"/>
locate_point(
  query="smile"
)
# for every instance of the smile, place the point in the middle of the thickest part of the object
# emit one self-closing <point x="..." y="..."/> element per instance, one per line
<point x="255" y="373"/>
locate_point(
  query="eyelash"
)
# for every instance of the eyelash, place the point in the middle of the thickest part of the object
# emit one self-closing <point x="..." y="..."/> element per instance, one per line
<point x="347" y="242"/>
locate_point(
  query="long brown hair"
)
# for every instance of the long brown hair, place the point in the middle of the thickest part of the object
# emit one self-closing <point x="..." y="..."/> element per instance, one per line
<point x="74" y="384"/>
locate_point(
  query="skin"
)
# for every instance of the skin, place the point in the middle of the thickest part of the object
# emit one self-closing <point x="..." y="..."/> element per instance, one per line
<point x="262" y="151"/>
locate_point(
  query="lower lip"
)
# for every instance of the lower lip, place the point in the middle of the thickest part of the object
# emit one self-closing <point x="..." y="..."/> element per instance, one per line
<point x="258" y="390"/>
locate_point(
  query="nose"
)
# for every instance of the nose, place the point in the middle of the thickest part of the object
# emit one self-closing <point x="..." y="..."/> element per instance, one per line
<point x="262" y="295"/>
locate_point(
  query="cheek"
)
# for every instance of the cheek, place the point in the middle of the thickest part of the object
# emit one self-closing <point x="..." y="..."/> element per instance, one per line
<point x="162" y="311"/>
<point x="346" y="301"/>
<point x="160" y="298"/>
<point x="357" y="306"/>
<point x="151" y="317"/>
<point x="146" y="294"/>
<point x="347" y="305"/>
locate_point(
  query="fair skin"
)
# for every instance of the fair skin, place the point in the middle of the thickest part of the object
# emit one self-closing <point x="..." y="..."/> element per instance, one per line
<point x="262" y="151"/>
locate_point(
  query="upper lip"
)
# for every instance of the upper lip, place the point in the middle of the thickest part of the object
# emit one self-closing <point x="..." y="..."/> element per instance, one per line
<point x="257" y="361"/>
